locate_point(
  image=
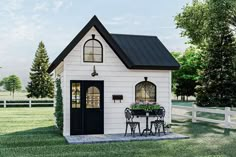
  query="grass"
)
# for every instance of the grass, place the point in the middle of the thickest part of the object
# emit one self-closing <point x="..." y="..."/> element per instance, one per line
<point x="5" y="95"/>
<point x="17" y="96"/>
<point x="28" y="132"/>
<point x="181" y="103"/>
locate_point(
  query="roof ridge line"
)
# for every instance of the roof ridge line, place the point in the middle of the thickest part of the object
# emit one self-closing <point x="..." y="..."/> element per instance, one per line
<point x="141" y="35"/>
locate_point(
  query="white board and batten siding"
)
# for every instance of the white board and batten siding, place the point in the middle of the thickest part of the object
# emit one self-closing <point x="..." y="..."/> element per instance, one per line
<point x="117" y="80"/>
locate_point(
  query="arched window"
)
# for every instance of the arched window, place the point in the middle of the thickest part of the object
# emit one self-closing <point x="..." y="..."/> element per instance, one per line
<point x="145" y="91"/>
<point x="93" y="51"/>
<point x="93" y="97"/>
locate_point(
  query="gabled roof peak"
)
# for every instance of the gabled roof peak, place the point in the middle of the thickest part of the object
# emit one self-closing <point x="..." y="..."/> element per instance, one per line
<point x="160" y="58"/>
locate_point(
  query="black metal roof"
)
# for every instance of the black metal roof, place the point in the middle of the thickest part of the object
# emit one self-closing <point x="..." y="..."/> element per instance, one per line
<point x="135" y="51"/>
<point x="146" y="52"/>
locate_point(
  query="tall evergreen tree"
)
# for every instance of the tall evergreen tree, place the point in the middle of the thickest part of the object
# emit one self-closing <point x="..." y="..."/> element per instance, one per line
<point x="41" y="84"/>
<point x="218" y="82"/>
<point x="59" y="105"/>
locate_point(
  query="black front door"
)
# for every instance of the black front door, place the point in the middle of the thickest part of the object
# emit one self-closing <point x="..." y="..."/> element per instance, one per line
<point x="87" y="107"/>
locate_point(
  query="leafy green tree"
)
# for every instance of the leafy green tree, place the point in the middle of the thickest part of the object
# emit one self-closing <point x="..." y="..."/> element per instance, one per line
<point x="193" y="23"/>
<point x="11" y="84"/>
<point x="41" y="84"/>
<point x="210" y="25"/>
<point x="185" y="79"/>
<point x="5" y="84"/>
<point x="177" y="56"/>
<point x="59" y="105"/>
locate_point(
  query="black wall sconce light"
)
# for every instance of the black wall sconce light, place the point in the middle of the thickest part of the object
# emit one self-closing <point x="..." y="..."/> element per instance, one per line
<point x="94" y="73"/>
<point x="93" y="36"/>
<point x="146" y="78"/>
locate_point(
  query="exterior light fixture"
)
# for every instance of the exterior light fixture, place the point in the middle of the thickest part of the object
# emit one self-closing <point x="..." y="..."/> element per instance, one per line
<point x="146" y="78"/>
<point x="94" y="73"/>
<point x="93" y="36"/>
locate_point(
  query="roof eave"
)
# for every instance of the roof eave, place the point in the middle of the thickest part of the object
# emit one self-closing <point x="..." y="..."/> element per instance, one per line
<point x="148" y="67"/>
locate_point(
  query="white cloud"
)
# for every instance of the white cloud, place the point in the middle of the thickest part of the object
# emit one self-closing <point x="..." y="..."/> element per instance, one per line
<point x="10" y="7"/>
<point x="16" y="27"/>
<point x="57" y="5"/>
<point x="129" y="19"/>
<point x="41" y="6"/>
<point x="53" y="5"/>
<point x="68" y="5"/>
<point x="119" y="18"/>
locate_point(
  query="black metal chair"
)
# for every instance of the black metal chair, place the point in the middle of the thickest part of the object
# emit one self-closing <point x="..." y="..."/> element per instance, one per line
<point x="129" y="122"/>
<point x="159" y="122"/>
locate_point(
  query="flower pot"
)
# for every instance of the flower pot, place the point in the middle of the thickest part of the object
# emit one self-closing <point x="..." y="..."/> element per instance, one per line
<point x="152" y="112"/>
<point x="139" y="112"/>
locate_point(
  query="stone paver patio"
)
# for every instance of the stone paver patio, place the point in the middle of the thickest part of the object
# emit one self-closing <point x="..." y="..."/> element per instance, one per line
<point x="86" y="139"/>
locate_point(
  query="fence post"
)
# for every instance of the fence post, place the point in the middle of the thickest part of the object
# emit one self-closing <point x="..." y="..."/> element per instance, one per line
<point x="227" y="117"/>
<point x="54" y="102"/>
<point x="194" y="113"/>
<point x="4" y="103"/>
<point x="30" y="105"/>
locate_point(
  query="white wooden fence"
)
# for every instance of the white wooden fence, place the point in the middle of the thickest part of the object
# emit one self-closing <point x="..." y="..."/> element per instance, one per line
<point x="29" y="103"/>
<point x="194" y="109"/>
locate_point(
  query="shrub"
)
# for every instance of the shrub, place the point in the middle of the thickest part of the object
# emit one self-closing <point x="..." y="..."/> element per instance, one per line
<point x="59" y="106"/>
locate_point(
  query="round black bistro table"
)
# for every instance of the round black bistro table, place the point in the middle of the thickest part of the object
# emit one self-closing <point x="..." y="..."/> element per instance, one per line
<point x="147" y="129"/>
<point x="146" y="114"/>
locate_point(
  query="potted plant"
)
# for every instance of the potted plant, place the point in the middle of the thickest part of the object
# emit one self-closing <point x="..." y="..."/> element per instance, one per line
<point x="141" y="108"/>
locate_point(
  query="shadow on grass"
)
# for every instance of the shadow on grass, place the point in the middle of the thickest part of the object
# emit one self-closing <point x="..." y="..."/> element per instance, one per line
<point x="210" y="115"/>
<point x="199" y="129"/>
<point x="53" y="146"/>
<point x="42" y="136"/>
<point x="51" y="130"/>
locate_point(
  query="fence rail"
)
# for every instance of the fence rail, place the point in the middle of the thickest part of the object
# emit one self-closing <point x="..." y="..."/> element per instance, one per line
<point x="194" y="109"/>
<point x="28" y="103"/>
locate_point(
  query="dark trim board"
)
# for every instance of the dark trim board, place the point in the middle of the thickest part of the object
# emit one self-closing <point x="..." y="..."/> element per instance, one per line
<point x="84" y="120"/>
<point x="124" y="46"/>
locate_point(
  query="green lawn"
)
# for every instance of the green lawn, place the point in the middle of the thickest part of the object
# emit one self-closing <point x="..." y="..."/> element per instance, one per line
<point x="17" y="96"/>
<point x="182" y="103"/>
<point x="27" y="132"/>
<point x="5" y="95"/>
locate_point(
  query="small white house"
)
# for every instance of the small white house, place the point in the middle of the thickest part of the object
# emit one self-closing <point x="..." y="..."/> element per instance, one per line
<point x="103" y="73"/>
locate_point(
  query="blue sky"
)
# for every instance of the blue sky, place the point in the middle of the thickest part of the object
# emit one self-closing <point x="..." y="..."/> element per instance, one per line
<point x="24" y="23"/>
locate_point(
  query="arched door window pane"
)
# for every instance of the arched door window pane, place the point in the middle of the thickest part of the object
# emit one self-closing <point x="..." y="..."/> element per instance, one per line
<point x="145" y="92"/>
<point x="93" y="97"/>
<point x="93" y="51"/>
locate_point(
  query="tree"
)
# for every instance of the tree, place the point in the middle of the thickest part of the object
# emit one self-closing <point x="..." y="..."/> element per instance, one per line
<point x="41" y="84"/>
<point x="59" y="105"/>
<point x="185" y="79"/>
<point x="193" y="23"/>
<point x="177" y="56"/>
<point x="11" y="84"/>
<point x="218" y="82"/>
<point x="195" y="18"/>
<point x="209" y="25"/>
